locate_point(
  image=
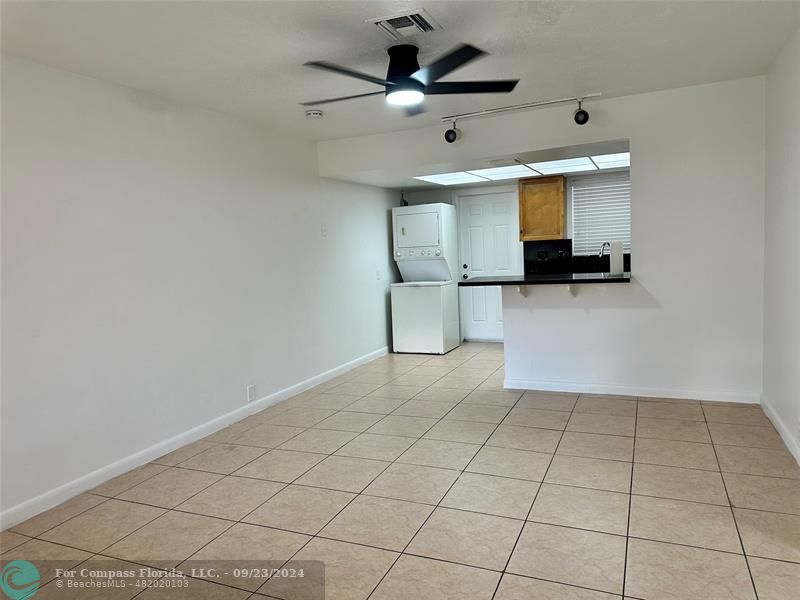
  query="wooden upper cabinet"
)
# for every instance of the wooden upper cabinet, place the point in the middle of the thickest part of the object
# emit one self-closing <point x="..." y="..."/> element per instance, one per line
<point x="541" y="208"/>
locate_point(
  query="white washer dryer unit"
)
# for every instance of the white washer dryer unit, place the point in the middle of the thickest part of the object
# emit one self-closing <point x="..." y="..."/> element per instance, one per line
<point x="425" y="307"/>
<point x="426" y="242"/>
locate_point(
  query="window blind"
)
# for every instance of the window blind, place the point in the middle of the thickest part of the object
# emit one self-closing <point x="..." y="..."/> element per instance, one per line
<point x="600" y="211"/>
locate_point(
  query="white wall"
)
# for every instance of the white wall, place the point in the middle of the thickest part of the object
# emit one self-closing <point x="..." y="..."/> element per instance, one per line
<point x="690" y="325"/>
<point x="782" y="221"/>
<point x="157" y="259"/>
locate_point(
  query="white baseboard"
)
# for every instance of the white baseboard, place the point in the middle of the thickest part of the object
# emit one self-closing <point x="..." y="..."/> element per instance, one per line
<point x="34" y="506"/>
<point x="625" y="390"/>
<point x="311" y="382"/>
<point x="791" y="441"/>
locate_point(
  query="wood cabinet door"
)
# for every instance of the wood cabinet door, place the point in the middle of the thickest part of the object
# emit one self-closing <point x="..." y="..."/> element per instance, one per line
<point x="541" y="208"/>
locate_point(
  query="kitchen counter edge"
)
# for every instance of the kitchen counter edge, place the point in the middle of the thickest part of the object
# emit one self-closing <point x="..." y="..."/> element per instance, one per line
<point x="547" y="279"/>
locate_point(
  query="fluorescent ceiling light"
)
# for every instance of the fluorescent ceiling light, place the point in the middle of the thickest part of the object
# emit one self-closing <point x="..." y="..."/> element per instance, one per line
<point x="569" y="165"/>
<point x="510" y="172"/>
<point x="550" y="167"/>
<point x="405" y="97"/>
<point x="613" y="161"/>
<point x="451" y="178"/>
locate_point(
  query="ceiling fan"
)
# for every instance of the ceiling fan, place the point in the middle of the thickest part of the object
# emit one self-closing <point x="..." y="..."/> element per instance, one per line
<point x="406" y="84"/>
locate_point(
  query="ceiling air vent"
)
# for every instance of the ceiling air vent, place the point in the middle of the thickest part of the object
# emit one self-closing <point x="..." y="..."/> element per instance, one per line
<point x="406" y="25"/>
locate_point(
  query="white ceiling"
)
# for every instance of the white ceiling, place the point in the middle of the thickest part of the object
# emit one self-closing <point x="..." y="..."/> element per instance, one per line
<point x="244" y="58"/>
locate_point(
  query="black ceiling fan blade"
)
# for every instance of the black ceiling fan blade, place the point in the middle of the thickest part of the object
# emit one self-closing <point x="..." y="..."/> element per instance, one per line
<point x="340" y="98"/>
<point x="333" y="68"/>
<point x="447" y="63"/>
<point x="472" y="87"/>
<point x="414" y="110"/>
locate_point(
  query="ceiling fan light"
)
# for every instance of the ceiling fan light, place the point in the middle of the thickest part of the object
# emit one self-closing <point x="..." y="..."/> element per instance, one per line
<point x="404" y="97"/>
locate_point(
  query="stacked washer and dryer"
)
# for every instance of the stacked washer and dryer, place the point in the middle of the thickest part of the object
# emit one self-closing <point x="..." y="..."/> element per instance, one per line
<point x="425" y="306"/>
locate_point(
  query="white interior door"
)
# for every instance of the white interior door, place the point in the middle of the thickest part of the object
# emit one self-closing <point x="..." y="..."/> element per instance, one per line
<point x="489" y="245"/>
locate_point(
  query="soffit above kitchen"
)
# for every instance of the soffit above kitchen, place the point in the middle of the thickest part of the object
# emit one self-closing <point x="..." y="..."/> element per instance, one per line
<point x="245" y="58"/>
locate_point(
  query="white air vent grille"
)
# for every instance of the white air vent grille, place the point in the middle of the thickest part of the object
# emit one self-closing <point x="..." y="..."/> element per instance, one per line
<point x="407" y="24"/>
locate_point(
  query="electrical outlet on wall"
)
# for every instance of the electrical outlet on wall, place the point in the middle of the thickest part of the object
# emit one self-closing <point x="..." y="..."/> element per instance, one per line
<point x="251" y="393"/>
<point x="378" y="274"/>
<point x="323" y="229"/>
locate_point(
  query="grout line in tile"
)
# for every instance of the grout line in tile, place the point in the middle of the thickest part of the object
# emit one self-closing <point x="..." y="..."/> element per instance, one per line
<point x="630" y="503"/>
<point x="451" y="562"/>
<point x="758" y="475"/>
<point x="573" y="527"/>
<point x="572" y="585"/>
<point x="781" y="560"/>
<point x="35" y="537"/>
<point x="535" y="496"/>
<point x="706" y="548"/>
<point x="733" y="513"/>
<point x="264" y="451"/>
<point x="155" y="461"/>
<point x="91" y="491"/>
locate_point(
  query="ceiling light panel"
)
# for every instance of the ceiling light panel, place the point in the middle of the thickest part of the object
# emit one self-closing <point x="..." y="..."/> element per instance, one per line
<point x="613" y="161"/>
<point x="499" y="173"/>
<point x="452" y="178"/>
<point x="569" y="165"/>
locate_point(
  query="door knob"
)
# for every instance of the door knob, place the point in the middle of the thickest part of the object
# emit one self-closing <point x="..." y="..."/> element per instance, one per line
<point x="464" y="276"/>
<point x="465" y="265"/>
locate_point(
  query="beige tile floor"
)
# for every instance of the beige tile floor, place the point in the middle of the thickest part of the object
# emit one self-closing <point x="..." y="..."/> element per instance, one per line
<point x="418" y="477"/>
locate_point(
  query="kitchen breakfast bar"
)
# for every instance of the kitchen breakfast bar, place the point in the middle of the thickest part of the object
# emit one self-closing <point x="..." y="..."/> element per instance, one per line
<point x="557" y="326"/>
<point x="548" y="279"/>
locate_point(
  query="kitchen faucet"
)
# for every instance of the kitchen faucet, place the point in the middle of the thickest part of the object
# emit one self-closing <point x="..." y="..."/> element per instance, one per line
<point x="602" y="249"/>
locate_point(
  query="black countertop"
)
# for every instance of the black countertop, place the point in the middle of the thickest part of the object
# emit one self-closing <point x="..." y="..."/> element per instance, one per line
<point x="548" y="279"/>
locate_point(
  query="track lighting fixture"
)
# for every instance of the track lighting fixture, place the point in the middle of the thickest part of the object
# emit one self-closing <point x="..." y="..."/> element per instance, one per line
<point x="581" y="116"/>
<point x="453" y="134"/>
